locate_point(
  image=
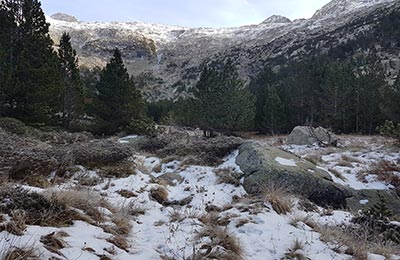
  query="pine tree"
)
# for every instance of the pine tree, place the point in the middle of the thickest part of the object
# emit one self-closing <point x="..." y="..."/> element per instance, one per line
<point x="273" y="117"/>
<point x="73" y="86"/>
<point x="391" y="101"/>
<point x="118" y="101"/>
<point x="337" y="96"/>
<point x="34" y="88"/>
<point x="7" y="27"/>
<point x="222" y="102"/>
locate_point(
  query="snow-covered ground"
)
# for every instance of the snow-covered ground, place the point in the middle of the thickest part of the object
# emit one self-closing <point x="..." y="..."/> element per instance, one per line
<point x="354" y="160"/>
<point x="172" y="231"/>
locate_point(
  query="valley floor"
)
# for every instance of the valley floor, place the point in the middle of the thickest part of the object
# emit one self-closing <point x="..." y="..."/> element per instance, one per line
<point x="170" y="209"/>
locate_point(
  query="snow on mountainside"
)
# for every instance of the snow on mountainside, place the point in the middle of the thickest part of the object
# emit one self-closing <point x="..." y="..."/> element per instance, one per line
<point x="340" y="7"/>
<point x="168" y="59"/>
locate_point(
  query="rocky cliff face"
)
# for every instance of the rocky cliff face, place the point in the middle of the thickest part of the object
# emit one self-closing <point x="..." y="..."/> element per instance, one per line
<point x="168" y="59"/>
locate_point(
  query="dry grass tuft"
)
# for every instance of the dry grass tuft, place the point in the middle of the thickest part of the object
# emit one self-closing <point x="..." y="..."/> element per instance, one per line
<point x="16" y="253"/>
<point x="178" y="215"/>
<point x="385" y="172"/>
<point x="350" y="158"/>
<point x="133" y="209"/>
<point x="226" y="175"/>
<point x="159" y="194"/>
<point x="279" y="198"/>
<point x="12" y="228"/>
<point x="295" y="251"/>
<point x="344" y="163"/>
<point x="54" y="242"/>
<point x="85" y="200"/>
<point x="306" y="219"/>
<point x="36" y="180"/>
<point x="337" y="174"/>
<point x="221" y="244"/>
<point x="313" y="158"/>
<point x="120" y="242"/>
<point x="122" y="224"/>
<point x="34" y="208"/>
<point x="356" y="242"/>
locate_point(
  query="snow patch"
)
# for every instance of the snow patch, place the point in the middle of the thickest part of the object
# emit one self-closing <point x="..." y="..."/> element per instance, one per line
<point x="286" y="162"/>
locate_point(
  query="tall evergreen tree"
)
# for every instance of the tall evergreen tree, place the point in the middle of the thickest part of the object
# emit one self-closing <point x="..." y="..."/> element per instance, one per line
<point x="118" y="101"/>
<point x="369" y="83"/>
<point x="336" y="96"/>
<point x="274" y="117"/>
<point x="7" y="28"/>
<point x="391" y="101"/>
<point x="34" y="88"/>
<point x="222" y="102"/>
<point x="73" y="86"/>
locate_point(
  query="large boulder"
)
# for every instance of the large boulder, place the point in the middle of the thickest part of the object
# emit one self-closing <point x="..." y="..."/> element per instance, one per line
<point x="364" y="199"/>
<point x="307" y="135"/>
<point x="263" y="164"/>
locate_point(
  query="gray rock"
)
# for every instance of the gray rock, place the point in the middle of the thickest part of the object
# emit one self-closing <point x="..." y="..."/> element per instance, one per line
<point x="263" y="164"/>
<point x="305" y="135"/>
<point x="364" y="199"/>
<point x="171" y="178"/>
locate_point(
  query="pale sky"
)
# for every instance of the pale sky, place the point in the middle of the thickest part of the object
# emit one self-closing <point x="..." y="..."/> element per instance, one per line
<point x="192" y="13"/>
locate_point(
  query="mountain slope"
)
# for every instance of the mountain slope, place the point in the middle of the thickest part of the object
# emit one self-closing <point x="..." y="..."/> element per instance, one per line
<point x="168" y="59"/>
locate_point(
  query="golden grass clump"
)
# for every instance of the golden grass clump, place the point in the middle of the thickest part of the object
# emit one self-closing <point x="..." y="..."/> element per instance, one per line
<point x="279" y="198"/>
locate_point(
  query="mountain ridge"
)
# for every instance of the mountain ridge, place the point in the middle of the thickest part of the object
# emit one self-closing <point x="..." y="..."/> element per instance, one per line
<point x="168" y="59"/>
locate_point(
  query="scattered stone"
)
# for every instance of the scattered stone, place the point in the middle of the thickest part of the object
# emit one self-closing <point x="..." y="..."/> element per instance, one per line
<point x="307" y="135"/>
<point x="127" y="194"/>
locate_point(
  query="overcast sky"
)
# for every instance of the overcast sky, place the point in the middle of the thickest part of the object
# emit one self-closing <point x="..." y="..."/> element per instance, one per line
<point x="193" y="13"/>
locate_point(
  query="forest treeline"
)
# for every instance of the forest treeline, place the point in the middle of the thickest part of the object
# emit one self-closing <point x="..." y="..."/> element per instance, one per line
<point x="43" y="85"/>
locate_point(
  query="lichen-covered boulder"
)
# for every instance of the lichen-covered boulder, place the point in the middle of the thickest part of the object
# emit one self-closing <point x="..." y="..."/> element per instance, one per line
<point x="306" y="135"/>
<point x="263" y="164"/>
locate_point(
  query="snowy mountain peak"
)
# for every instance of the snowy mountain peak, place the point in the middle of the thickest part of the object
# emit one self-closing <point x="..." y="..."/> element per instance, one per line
<point x="64" y="17"/>
<point x="340" y="7"/>
<point x="276" y="19"/>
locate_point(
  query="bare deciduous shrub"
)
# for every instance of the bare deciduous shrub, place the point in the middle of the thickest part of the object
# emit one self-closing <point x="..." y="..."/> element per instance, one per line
<point x="279" y="198"/>
<point x="119" y="169"/>
<point x="208" y="151"/>
<point x="99" y="152"/>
